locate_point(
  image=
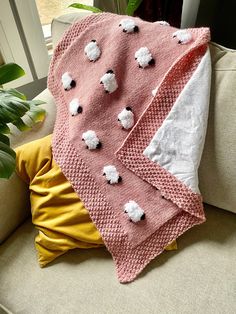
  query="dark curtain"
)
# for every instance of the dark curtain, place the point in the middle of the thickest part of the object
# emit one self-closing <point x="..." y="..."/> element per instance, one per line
<point x="161" y="10"/>
<point x="220" y="17"/>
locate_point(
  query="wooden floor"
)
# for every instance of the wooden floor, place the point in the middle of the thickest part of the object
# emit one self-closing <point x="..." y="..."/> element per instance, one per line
<point x="53" y="8"/>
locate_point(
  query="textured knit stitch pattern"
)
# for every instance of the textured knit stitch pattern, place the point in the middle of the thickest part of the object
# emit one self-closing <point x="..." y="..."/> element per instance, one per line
<point x="132" y="247"/>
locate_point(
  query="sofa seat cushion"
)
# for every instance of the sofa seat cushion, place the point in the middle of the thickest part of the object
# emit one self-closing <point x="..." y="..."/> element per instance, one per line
<point x="198" y="278"/>
<point x="4" y="310"/>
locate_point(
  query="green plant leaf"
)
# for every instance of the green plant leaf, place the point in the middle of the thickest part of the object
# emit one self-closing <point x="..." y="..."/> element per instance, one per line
<point x="14" y="106"/>
<point x="10" y="72"/>
<point x="15" y="93"/>
<point x="11" y="107"/>
<point x="4" y="139"/>
<point x="85" y="7"/>
<point x="36" y="102"/>
<point x="4" y="128"/>
<point x="36" y="114"/>
<point x="20" y="124"/>
<point x="132" y="6"/>
<point x="7" y="160"/>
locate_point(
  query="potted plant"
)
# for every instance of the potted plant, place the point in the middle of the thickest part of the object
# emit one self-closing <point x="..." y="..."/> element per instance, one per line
<point x="13" y="108"/>
<point x="132" y="6"/>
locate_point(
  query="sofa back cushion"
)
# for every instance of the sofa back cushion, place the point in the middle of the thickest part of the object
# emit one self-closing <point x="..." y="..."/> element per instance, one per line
<point x="62" y="23"/>
<point x="217" y="173"/>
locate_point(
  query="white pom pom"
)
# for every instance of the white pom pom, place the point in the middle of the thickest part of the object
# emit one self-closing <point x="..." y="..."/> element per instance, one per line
<point x="128" y="26"/>
<point x="144" y="57"/>
<point x="112" y="175"/>
<point x="91" y="140"/>
<point x="183" y="36"/>
<point x="134" y="211"/>
<point x="109" y="82"/>
<point x="67" y="81"/>
<point x="92" y="50"/>
<point x="163" y="23"/>
<point x="74" y="107"/>
<point x="126" y="118"/>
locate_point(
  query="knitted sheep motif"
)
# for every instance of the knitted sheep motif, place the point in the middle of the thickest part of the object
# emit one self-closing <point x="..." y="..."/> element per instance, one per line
<point x="92" y="50"/>
<point x="183" y="36"/>
<point x="128" y="26"/>
<point x="91" y="140"/>
<point x="109" y="82"/>
<point x="134" y="211"/>
<point x="163" y="23"/>
<point x="74" y="107"/>
<point x="67" y="81"/>
<point x="144" y="57"/>
<point x="112" y="175"/>
<point x="126" y="118"/>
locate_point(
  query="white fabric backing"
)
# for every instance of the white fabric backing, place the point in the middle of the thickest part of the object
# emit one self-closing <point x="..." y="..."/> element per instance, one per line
<point x="178" y="144"/>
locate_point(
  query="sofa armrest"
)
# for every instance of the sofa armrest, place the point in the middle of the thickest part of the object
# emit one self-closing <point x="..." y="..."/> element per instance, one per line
<point x="14" y="194"/>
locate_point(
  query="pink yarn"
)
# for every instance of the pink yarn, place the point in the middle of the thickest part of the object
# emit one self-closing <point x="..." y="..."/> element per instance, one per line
<point x="132" y="245"/>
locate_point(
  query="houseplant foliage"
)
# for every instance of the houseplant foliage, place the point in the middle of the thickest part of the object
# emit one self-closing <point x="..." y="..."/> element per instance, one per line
<point x="132" y="6"/>
<point x="85" y="7"/>
<point x="13" y="108"/>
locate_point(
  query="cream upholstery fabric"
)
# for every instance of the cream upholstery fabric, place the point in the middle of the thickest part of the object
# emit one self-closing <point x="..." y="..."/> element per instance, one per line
<point x="14" y="206"/>
<point x="3" y="310"/>
<point x="62" y="23"/>
<point x="198" y="278"/>
<point x="217" y="173"/>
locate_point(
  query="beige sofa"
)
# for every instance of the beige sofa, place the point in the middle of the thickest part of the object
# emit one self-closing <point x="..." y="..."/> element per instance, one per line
<point x="199" y="278"/>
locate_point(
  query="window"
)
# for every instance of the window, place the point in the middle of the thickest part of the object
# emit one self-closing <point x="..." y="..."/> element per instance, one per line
<point x="11" y="47"/>
<point x="51" y="9"/>
<point x="25" y="27"/>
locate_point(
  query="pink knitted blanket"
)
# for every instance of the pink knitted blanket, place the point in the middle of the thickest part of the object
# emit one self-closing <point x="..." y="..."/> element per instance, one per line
<point x="132" y="104"/>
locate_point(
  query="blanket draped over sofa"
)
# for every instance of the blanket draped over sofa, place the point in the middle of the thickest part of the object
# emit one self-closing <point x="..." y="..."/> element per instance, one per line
<point x="132" y="106"/>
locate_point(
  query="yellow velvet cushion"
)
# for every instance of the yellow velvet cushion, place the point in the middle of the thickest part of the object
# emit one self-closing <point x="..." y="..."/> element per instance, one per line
<point x="57" y="211"/>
